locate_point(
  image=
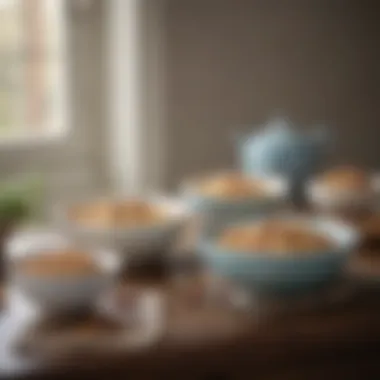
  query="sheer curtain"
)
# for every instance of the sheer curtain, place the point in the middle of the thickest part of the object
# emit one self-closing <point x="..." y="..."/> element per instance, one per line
<point x="136" y="88"/>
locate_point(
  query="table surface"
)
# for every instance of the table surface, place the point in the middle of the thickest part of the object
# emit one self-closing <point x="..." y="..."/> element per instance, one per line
<point x="202" y="341"/>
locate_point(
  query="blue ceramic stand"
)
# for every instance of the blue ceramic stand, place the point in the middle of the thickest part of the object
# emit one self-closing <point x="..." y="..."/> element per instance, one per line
<point x="280" y="149"/>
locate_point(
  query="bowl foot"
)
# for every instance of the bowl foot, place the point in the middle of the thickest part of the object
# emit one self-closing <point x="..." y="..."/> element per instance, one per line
<point x="79" y="314"/>
<point x="146" y="264"/>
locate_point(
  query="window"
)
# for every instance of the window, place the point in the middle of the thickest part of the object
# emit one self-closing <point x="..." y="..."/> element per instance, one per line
<point x="54" y="64"/>
<point x="32" y="68"/>
<point x="104" y="149"/>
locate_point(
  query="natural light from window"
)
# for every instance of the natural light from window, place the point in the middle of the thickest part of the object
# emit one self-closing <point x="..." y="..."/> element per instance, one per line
<point x="32" y="69"/>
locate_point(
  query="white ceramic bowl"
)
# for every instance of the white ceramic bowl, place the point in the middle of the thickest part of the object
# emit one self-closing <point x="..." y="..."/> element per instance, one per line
<point x="60" y="294"/>
<point x="132" y="240"/>
<point x="277" y="192"/>
<point x="325" y="199"/>
<point x="216" y="211"/>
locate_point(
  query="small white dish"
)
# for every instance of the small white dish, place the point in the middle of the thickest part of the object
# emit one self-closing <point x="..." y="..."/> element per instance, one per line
<point x="325" y="199"/>
<point x="59" y="294"/>
<point x="216" y="211"/>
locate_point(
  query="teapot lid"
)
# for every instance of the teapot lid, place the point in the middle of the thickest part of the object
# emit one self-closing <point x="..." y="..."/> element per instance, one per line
<point x="278" y="127"/>
<point x="280" y="130"/>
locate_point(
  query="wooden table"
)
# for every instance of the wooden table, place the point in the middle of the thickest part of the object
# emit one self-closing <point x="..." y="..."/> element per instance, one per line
<point x="337" y="342"/>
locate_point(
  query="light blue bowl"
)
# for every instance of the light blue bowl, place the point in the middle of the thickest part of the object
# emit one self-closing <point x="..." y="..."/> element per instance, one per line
<point x="295" y="274"/>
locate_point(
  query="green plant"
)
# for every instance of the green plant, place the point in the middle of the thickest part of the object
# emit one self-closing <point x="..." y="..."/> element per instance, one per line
<point x="19" y="199"/>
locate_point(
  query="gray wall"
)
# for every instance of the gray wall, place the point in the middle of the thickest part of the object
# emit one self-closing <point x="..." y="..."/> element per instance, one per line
<point x="232" y="62"/>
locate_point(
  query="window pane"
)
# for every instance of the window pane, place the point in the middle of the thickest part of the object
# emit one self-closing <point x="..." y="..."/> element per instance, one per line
<point x="31" y="67"/>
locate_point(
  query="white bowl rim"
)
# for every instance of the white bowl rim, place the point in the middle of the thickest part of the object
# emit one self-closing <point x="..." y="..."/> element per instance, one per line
<point x="178" y="211"/>
<point x="107" y="259"/>
<point x="320" y="193"/>
<point x="277" y="186"/>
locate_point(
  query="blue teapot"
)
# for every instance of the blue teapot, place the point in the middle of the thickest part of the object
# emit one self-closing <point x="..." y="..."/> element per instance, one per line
<point x="280" y="149"/>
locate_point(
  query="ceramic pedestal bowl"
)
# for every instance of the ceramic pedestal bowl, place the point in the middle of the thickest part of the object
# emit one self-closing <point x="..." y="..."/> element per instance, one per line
<point x="344" y="201"/>
<point x="59" y="293"/>
<point x="217" y="211"/>
<point x="131" y="242"/>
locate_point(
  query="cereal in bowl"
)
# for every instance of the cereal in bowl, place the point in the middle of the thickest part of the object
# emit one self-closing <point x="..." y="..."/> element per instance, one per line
<point x="276" y="237"/>
<point x="60" y="263"/>
<point x="231" y="185"/>
<point x="346" y="178"/>
<point x="113" y="214"/>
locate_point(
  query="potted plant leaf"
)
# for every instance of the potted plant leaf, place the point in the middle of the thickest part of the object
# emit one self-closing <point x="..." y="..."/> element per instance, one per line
<point x="18" y="202"/>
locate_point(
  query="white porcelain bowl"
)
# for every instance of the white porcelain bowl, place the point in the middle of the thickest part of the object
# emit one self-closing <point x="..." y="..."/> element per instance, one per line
<point x="132" y="240"/>
<point x="325" y="199"/>
<point x="60" y="294"/>
<point x="277" y="190"/>
<point x="215" y="211"/>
